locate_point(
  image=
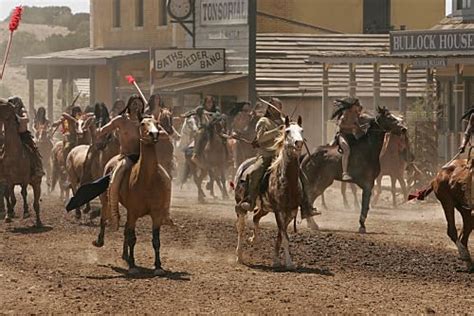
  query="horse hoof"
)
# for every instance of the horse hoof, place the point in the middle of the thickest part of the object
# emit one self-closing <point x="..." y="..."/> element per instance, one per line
<point x="98" y="243"/>
<point x="362" y="230"/>
<point x="39" y="224"/>
<point x="312" y="224"/>
<point x="471" y="270"/>
<point x="290" y="267"/>
<point x="251" y="240"/>
<point x="26" y="215"/>
<point x="133" y="271"/>
<point x="159" y="272"/>
<point x="94" y="214"/>
<point x="8" y="220"/>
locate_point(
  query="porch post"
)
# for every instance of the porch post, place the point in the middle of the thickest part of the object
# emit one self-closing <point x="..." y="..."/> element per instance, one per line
<point x="458" y="91"/>
<point x="376" y="85"/>
<point x="324" y="103"/>
<point x="92" y="93"/>
<point x="429" y="89"/>
<point x="352" y="80"/>
<point x="403" y="89"/>
<point x="31" y="99"/>
<point x="50" y="92"/>
<point x="113" y="81"/>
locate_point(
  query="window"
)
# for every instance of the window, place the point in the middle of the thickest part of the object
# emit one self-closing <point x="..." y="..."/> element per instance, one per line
<point x="376" y="16"/>
<point x="139" y="13"/>
<point x="162" y="13"/>
<point x="116" y="12"/>
<point x="463" y="4"/>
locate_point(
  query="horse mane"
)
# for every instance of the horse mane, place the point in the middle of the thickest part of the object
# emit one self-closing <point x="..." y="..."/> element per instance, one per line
<point x="278" y="147"/>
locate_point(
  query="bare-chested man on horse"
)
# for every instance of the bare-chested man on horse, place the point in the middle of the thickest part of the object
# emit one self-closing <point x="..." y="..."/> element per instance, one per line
<point x="126" y="126"/>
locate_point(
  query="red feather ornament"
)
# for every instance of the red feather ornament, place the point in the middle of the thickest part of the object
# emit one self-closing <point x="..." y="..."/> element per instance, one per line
<point x="13" y="26"/>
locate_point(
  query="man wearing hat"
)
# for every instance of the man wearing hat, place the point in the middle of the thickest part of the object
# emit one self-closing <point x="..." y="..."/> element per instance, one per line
<point x="267" y="130"/>
<point x="347" y="115"/>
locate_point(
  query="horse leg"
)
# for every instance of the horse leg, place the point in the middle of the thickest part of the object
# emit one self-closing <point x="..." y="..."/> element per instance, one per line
<point x="403" y="185"/>
<point x="462" y="242"/>
<point x="36" y="203"/>
<point x="156" y="247"/>
<point x="286" y="244"/>
<point x="323" y="202"/>
<point x="393" y="181"/>
<point x="378" y="190"/>
<point x="344" y="196"/>
<point x="366" y="194"/>
<point x="354" y="194"/>
<point x="222" y="178"/>
<point x="256" y="224"/>
<point x="198" y="181"/>
<point x="100" y="238"/>
<point x="276" y="251"/>
<point x="240" y="225"/>
<point x="24" y="196"/>
<point x="11" y="204"/>
<point x="129" y="246"/>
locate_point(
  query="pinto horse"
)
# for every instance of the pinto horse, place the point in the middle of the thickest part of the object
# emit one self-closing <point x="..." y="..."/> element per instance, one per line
<point x="283" y="195"/>
<point x="324" y="166"/>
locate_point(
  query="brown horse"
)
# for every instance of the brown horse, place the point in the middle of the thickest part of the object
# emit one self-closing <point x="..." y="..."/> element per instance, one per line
<point x="324" y="166"/>
<point x="449" y="187"/>
<point x="213" y="160"/>
<point x="283" y="195"/>
<point x="145" y="190"/>
<point x="16" y="162"/>
<point x="394" y="158"/>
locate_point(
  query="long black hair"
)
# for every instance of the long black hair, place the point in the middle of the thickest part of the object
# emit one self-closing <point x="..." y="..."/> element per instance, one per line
<point x="17" y="103"/>
<point x="151" y="103"/>
<point x="101" y="114"/>
<point x="40" y="117"/>
<point x="468" y="113"/>
<point x="132" y="99"/>
<point x="75" y="110"/>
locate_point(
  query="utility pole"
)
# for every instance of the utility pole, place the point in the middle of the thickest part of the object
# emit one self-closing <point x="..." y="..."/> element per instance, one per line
<point x="252" y="78"/>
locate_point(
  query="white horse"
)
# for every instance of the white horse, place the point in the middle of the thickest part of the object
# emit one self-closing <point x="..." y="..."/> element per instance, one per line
<point x="188" y="132"/>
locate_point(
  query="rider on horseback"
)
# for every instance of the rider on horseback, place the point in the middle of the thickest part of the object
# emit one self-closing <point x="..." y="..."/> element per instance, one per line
<point x="127" y="127"/>
<point x="267" y="130"/>
<point x="347" y="113"/>
<point x="26" y="137"/>
<point x="205" y="115"/>
<point x="41" y="123"/>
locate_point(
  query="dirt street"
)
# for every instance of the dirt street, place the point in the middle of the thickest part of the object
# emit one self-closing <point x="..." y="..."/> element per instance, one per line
<point x="405" y="264"/>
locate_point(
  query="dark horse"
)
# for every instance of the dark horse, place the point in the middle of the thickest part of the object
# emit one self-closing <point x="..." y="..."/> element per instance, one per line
<point x="324" y="166"/>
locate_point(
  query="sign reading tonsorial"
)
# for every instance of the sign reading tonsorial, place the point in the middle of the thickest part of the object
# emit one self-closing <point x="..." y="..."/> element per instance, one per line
<point x="190" y="60"/>
<point x="406" y="42"/>
<point x="224" y="12"/>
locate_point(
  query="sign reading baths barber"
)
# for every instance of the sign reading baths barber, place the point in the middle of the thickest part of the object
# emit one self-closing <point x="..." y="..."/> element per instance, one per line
<point x="190" y="60"/>
<point x="428" y="42"/>
<point x="224" y="12"/>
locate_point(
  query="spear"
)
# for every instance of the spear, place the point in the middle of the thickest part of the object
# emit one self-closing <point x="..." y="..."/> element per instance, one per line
<point x="13" y="26"/>
<point x="131" y="80"/>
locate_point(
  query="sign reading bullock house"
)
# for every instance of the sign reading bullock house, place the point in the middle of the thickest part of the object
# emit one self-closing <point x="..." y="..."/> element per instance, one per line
<point x="224" y="12"/>
<point x="436" y="41"/>
<point x="190" y="60"/>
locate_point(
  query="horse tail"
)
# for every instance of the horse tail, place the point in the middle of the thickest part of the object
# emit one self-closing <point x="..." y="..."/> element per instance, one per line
<point x="420" y="195"/>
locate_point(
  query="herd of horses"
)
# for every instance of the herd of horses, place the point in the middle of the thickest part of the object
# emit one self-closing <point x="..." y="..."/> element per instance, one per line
<point x="146" y="189"/>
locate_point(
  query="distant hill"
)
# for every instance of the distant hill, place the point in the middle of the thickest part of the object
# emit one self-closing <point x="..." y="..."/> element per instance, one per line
<point x="44" y="30"/>
<point x="39" y="31"/>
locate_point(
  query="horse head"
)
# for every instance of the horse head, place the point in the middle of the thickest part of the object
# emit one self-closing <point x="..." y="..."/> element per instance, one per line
<point x="149" y="132"/>
<point x="389" y="122"/>
<point x="7" y="110"/>
<point x="293" y="139"/>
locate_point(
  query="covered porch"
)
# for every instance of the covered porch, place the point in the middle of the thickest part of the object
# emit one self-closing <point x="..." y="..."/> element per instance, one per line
<point x="100" y="67"/>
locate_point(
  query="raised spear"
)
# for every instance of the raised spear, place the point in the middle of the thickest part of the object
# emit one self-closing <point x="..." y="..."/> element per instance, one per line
<point x="13" y="26"/>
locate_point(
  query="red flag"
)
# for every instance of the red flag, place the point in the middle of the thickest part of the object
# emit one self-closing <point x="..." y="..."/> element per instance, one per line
<point x="16" y="18"/>
<point x="130" y="79"/>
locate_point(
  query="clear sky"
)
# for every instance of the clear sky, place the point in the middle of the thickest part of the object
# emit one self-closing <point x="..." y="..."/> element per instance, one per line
<point x="76" y="5"/>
